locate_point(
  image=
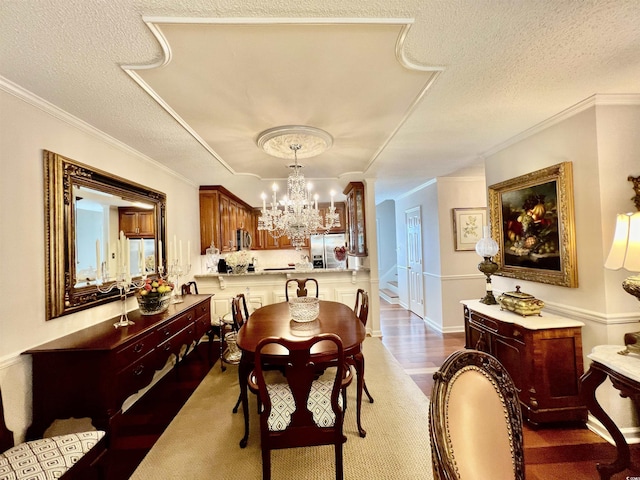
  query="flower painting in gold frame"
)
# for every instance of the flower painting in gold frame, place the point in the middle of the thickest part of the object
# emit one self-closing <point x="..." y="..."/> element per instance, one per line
<point x="467" y="227"/>
<point x="532" y="219"/>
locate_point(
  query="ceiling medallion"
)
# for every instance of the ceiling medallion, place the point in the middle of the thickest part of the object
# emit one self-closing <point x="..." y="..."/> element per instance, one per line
<point x="278" y="140"/>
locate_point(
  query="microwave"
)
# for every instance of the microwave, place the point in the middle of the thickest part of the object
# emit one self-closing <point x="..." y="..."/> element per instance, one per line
<point x="243" y="240"/>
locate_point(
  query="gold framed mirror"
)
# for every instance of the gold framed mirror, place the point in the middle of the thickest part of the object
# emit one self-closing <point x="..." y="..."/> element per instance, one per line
<point x="86" y="212"/>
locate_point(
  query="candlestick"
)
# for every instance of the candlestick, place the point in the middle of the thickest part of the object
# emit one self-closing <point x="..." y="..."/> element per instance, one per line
<point x="143" y="267"/>
<point x="98" y="261"/>
<point x="175" y="250"/>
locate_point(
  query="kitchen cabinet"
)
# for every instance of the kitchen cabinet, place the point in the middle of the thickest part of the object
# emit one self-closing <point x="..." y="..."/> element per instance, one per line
<point x="221" y="214"/>
<point x="137" y="222"/>
<point x="340" y="207"/>
<point x="543" y="356"/>
<point x="264" y="241"/>
<point x="356" y="219"/>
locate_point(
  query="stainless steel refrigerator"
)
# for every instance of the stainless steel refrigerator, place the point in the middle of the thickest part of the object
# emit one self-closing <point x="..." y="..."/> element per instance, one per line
<point x="322" y="249"/>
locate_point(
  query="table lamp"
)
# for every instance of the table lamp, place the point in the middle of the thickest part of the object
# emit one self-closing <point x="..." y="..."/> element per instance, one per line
<point x="487" y="247"/>
<point x="625" y="253"/>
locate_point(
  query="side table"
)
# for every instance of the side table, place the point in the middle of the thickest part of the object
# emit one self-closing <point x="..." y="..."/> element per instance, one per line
<point x="624" y="373"/>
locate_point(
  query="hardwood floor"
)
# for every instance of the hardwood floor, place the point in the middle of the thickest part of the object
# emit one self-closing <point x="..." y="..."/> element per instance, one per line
<point x="559" y="452"/>
<point x="551" y="453"/>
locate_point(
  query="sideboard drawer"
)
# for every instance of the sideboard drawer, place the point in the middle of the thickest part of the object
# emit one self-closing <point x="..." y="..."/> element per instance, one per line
<point x="488" y="323"/>
<point x="135" y="350"/>
<point x="135" y="376"/>
<point x="169" y="329"/>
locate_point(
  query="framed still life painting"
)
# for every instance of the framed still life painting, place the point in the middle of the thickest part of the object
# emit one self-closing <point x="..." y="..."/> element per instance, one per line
<point x="467" y="227"/>
<point x="532" y="219"/>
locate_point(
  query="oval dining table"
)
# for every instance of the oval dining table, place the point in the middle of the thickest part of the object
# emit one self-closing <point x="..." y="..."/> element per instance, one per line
<point x="274" y="320"/>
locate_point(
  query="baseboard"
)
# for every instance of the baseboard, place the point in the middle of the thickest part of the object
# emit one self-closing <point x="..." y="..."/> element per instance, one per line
<point x="630" y="434"/>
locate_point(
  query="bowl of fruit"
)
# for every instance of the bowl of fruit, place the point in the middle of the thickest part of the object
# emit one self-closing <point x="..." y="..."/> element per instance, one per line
<point x="154" y="296"/>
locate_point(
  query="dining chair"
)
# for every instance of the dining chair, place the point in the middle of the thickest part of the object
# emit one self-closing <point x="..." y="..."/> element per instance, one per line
<point x="361" y="310"/>
<point x="189" y="288"/>
<point x="300" y="409"/>
<point x="301" y="290"/>
<point x="68" y="457"/>
<point x="475" y="422"/>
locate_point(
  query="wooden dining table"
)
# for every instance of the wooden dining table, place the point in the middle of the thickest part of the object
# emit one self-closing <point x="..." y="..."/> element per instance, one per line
<point x="274" y="320"/>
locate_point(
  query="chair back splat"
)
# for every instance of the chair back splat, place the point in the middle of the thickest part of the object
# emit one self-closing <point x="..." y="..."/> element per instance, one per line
<point x="301" y="290"/>
<point x="475" y="422"/>
<point x="361" y="307"/>
<point x="301" y="409"/>
<point x="189" y="288"/>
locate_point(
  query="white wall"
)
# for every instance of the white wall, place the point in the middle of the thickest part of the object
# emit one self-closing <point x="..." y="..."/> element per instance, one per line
<point x="603" y="145"/>
<point x="27" y="126"/>
<point x="386" y="233"/>
<point x="449" y="276"/>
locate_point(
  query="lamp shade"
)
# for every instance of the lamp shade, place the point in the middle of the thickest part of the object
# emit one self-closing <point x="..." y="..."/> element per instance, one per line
<point x="486" y="246"/>
<point x="625" y="250"/>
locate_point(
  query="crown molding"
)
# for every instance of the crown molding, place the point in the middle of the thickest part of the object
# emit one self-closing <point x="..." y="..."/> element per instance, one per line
<point x="30" y="98"/>
<point x="592" y="101"/>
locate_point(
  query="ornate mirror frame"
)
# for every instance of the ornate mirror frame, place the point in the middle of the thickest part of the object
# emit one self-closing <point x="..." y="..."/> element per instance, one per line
<point x="63" y="294"/>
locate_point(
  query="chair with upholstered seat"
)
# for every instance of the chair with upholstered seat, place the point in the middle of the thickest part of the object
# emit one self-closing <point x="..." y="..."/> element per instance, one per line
<point x="298" y="409"/>
<point x="475" y="423"/>
<point x="301" y="283"/>
<point x="72" y="456"/>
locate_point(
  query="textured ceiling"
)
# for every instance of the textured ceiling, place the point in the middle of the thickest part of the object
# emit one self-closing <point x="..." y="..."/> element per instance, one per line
<point x="500" y="67"/>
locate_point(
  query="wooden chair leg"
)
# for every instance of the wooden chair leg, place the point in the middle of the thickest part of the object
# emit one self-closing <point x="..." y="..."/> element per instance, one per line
<point x="266" y="464"/>
<point x="366" y="390"/>
<point x="339" y="466"/>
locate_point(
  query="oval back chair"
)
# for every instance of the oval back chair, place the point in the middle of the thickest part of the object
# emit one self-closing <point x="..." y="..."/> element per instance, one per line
<point x="475" y="422"/>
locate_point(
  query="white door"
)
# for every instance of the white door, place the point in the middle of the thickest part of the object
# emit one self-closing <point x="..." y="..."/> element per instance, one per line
<point x="414" y="261"/>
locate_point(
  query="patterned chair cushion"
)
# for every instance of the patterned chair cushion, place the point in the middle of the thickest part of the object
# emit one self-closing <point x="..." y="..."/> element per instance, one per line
<point x="48" y="458"/>
<point x="283" y="405"/>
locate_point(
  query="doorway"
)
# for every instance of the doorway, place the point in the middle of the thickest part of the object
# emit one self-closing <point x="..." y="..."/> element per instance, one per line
<point x="414" y="260"/>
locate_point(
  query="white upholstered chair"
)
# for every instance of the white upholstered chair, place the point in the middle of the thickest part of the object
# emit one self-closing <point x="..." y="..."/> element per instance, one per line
<point x="475" y="422"/>
<point x="72" y="456"/>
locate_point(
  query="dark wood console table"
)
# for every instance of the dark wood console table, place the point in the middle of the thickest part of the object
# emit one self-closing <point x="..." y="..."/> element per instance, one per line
<point x="90" y="373"/>
<point x="624" y="373"/>
<point x="543" y="355"/>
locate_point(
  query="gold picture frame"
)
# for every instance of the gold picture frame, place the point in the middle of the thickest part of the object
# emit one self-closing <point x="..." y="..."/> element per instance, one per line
<point x="467" y="227"/>
<point x="532" y="219"/>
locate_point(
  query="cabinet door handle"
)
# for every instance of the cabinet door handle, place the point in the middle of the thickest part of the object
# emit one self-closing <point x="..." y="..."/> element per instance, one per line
<point x="167" y="332"/>
<point x="167" y="347"/>
<point x="516" y="333"/>
<point x="138" y="370"/>
<point x="138" y="347"/>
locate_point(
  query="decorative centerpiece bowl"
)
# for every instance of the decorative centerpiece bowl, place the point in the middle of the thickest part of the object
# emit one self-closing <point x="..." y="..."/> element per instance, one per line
<point x="238" y="261"/>
<point x="238" y="269"/>
<point x="304" y="309"/>
<point x="154" y="296"/>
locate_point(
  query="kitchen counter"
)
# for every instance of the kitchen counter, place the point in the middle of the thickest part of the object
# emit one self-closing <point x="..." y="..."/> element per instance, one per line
<point x="265" y="287"/>
<point x="284" y="270"/>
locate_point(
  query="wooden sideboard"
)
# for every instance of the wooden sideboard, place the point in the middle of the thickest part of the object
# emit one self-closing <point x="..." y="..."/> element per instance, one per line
<point x="90" y="373"/>
<point x="543" y="355"/>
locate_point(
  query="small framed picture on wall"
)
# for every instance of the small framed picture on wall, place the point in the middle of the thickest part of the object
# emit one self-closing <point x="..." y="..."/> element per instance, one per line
<point x="467" y="227"/>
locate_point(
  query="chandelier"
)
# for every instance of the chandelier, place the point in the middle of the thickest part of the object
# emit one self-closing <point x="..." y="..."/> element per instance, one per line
<point x="296" y="215"/>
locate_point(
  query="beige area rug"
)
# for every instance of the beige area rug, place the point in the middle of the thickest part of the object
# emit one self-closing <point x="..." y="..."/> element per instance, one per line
<point x="202" y="440"/>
